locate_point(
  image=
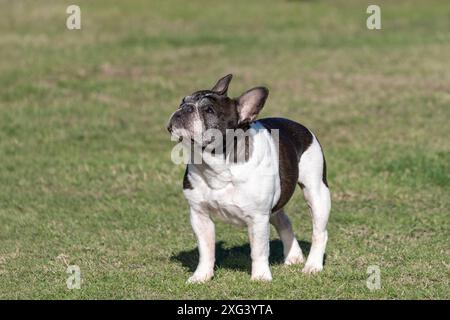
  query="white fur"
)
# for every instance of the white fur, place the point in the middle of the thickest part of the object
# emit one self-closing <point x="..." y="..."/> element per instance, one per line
<point x="292" y="251"/>
<point x="317" y="196"/>
<point x="244" y="194"/>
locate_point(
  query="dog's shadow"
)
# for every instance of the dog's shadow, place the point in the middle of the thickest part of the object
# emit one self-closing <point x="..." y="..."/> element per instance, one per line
<point x="236" y="258"/>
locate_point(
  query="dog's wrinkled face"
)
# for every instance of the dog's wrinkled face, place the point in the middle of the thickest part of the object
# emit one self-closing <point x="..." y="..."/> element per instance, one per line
<point x="213" y="109"/>
<point x="204" y="110"/>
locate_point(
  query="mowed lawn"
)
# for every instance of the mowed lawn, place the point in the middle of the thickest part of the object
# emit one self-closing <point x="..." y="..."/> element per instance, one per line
<point x="86" y="177"/>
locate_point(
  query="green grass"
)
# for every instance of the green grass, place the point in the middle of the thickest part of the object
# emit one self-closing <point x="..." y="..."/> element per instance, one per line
<point x="86" y="176"/>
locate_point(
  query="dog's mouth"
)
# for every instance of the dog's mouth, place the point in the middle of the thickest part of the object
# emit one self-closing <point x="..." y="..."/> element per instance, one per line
<point x="179" y="138"/>
<point x="173" y="134"/>
<point x="182" y="135"/>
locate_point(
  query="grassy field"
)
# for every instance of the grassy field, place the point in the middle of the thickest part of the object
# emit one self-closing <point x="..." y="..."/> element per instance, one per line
<point x="86" y="177"/>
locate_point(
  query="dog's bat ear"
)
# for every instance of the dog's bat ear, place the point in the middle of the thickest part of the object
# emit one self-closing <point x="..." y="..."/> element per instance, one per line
<point x="250" y="103"/>
<point x="221" y="86"/>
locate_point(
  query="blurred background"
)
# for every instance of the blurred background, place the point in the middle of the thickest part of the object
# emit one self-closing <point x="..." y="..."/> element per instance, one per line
<point x="86" y="177"/>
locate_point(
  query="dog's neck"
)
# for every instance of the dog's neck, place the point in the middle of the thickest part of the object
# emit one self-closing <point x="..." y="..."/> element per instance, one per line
<point x="239" y="153"/>
<point x="234" y="147"/>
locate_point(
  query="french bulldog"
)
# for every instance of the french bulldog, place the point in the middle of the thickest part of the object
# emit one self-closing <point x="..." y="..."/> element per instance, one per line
<point x="249" y="188"/>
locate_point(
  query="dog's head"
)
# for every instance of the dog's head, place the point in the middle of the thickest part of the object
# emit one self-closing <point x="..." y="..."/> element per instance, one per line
<point x="213" y="109"/>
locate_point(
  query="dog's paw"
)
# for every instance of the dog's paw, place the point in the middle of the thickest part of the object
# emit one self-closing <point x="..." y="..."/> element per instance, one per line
<point x="265" y="275"/>
<point x="312" y="268"/>
<point x="297" y="259"/>
<point x="262" y="277"/>
<point x="200" y="277"/>
<point x="261" y="271"/>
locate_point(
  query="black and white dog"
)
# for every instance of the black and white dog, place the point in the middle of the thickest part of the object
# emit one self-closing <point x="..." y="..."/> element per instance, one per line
<point x="253" y="189"/>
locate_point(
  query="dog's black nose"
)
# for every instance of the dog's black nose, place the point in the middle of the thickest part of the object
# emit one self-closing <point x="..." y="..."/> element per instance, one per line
<point x="169" y="128"/>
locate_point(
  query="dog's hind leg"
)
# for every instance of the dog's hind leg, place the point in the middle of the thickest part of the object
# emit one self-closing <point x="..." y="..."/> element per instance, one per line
<point x="291" y="249"/>
<point x="312" y="179"/>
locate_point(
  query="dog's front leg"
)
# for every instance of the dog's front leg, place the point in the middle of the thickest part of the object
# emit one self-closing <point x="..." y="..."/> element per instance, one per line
<point x="259" y="232"/>
<point x="204" y="231"/>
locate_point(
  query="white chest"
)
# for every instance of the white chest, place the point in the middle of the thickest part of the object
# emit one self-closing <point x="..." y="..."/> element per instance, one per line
<point x="236" y="193"/>
<point x="227" y="204"/>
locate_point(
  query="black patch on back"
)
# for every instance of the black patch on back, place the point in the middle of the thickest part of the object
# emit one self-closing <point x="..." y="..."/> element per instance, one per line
<point x="186" y="183"/>
<point x="324" y="173"/>
<point x="294" y="139"/>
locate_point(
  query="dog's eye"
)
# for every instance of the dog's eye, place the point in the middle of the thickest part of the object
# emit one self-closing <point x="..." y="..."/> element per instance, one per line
<point x="209" y="109"/>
